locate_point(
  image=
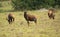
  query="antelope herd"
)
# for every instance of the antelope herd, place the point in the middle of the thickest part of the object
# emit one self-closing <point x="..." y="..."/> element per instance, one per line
<point x="29" y="17"/>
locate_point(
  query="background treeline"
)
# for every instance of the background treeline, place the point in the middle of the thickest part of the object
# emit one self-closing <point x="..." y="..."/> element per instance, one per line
<point x="34" y="4"/>
<point x="4" y="0"/>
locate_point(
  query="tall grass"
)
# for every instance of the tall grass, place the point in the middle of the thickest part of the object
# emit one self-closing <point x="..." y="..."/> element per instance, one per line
<point x="19" y="28"/>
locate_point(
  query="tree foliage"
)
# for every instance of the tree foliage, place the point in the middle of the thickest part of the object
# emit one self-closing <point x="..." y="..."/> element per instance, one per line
<point x="34" y="4"/>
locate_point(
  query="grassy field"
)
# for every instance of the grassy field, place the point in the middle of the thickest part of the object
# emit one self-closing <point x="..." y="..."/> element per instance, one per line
<point x="19" y="28"/>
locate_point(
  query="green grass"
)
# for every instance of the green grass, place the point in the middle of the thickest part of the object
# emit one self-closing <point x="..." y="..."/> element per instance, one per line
<point x="19" y="28"/>
<point x="6" y="6"/>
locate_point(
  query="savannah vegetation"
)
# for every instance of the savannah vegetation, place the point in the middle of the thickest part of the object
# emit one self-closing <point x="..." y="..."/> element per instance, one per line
<point x="19" y="28"/>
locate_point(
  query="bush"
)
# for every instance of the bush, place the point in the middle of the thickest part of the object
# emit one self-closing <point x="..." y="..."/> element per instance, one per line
<point x="33" y="4"/>
<point x="25" y="4"/>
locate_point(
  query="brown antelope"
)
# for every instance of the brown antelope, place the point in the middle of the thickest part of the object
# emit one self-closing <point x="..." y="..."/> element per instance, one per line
<point x="51" y="13"/>
<point x="29" y="17"/>
<point x="10" y="18"/>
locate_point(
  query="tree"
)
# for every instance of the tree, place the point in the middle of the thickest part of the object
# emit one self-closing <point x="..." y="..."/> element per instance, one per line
<point x="34" y="4"/>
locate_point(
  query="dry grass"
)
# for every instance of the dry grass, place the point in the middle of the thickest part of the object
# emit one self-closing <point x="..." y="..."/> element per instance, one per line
<point x="45" y="27"/>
